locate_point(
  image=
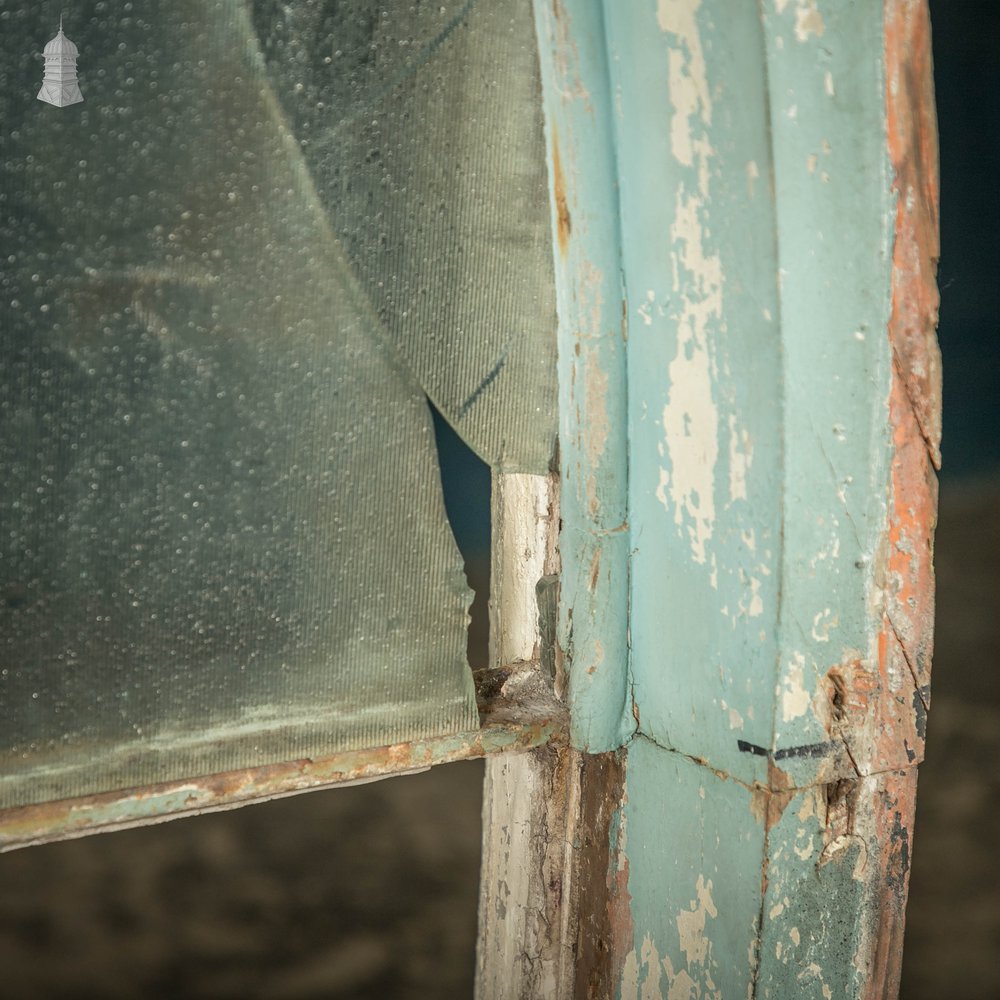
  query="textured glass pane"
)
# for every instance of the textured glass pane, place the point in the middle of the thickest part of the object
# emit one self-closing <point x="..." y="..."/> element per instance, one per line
<point x="223" y="541"/>
<point x="421" y="124"/>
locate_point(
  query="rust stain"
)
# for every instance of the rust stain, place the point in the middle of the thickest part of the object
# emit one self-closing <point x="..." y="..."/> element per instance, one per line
<point x="768" y="802"/>
<point x="913" y="517"/>
<point x="47" y="821"/>
<point x="913" y="146"/>
<point x="891" y="802"/>
<point x="782" y="792"/>
<point x="889" y="719"/>
<point x="605" y="931"/>
<point x="564" y="223"/>
<point x="850" y="687"/>
<point x="595" y="570"/>
<point x="899" y="725"/>
<point x="884" y="722"/>
<point x="879" y="710"/>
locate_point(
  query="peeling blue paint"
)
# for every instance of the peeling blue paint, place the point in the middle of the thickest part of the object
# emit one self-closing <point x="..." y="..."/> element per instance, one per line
<point x="749" y="200"/>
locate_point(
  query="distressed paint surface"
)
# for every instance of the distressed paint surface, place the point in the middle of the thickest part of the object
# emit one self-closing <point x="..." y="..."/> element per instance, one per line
<point x="755" y="214"/>
<point x="835" y="231"/>
<point x="28" y="825"/>
<point x="912" y="129"/>
<point x="694" y="848"/>
<point x="704" y="374"/>
<point x="550" y="920"/>
<point x="777" y="193"/>
<point x="592" y="376"/>
<point x="550" y="917"/>
<point x="760" y="891"/>
<point x="525" y="797"/>
<point x="837" y="862"/>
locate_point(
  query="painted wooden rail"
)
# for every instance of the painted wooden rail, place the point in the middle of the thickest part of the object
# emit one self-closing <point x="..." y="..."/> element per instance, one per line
<point x="745" y="220"/>
<point x="739" y="608"/>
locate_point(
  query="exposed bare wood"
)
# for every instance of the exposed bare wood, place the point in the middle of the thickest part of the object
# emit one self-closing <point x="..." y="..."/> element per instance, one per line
<point x="522" y="936"/>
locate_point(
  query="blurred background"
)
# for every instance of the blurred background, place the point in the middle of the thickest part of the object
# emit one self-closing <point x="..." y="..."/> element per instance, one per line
<point x="371" y="891"/>
<point x="952" y="945"/>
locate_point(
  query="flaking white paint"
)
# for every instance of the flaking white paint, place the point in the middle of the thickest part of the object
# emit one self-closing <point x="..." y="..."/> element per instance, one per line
<point x="823" y="623"/>
<point x="740" y="460"/>
<point x="651" y="961"/>
<point x="804" y="851"/>
<point x="648" y="966"/>
<point x="691" y="923"/>
<point x="645" y="309"/>
<point x="691" y="418"/>
<point x="810" y="804"/>
<point x="794" y="696"/>
<point x="814" y="972"/>
<point x="808" y="21"/>
<point x="682" y="986"/>
<point x="630" y="977"/>
<point x="688" y="77"/>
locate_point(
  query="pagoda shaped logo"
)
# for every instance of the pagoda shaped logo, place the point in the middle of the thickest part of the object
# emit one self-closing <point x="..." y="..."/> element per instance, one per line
<point x="59" y="86"/>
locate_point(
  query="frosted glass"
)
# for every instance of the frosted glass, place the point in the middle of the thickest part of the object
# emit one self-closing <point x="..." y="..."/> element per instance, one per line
<point x="433" y="171"/>
<point x="223" y="540"/>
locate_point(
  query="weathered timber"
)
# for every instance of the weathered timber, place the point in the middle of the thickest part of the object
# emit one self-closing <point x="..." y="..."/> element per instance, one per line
<point x="506" y="728"/>
<point x="771" y="207"/>
<point x="525" y="798"/>
<point x="593" y="623"/>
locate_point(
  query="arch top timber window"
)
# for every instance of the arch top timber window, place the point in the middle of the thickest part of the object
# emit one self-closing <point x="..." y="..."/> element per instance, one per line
<point x="233" y="275"/>
<point x="231" y="278"/>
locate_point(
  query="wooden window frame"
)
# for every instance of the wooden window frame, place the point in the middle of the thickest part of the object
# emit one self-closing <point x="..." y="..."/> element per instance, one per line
<point x="572" y="758"/>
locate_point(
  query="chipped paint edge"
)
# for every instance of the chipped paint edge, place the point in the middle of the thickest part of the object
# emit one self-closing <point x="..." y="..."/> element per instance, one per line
<point x="593" y="444"/>
<point x="65" y="819"/>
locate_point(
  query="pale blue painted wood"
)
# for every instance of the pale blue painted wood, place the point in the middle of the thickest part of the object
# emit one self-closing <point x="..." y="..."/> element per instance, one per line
<point x="754" y="217"/>
<point x="835" y="215"/>
<point x="694" y="850"/>
<point x="704" y="371"/>
<point x="752" y="209"/>
<point x="819" y="903"/>
<point x="755" y="228"/>
<point x="728" y="899"/>
<point x="592" y="389"/>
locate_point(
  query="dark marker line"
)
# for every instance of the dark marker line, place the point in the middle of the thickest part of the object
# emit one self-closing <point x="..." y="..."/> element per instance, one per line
<point x="483" y="386"/>
<point x="809" y="750"/>
<point x="806" y="750"/>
